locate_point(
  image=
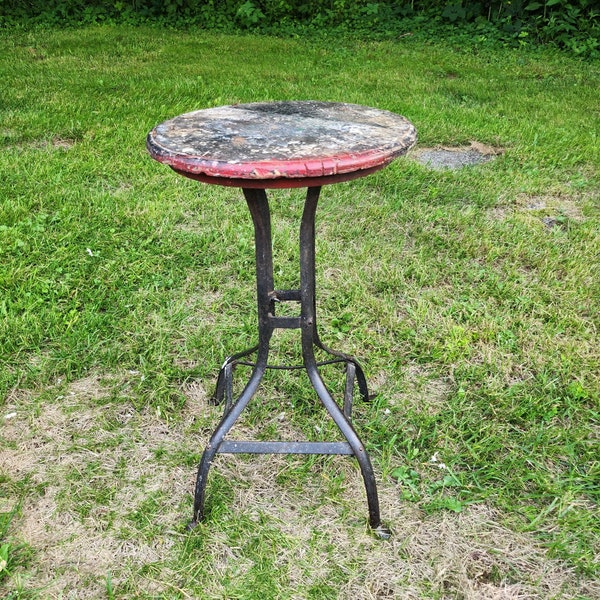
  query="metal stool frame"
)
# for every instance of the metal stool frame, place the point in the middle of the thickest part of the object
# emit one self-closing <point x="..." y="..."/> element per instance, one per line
<point x="268" y="321"/>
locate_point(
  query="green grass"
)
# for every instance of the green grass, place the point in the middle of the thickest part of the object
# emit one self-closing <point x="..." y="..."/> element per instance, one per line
<point x="477" y="322"/>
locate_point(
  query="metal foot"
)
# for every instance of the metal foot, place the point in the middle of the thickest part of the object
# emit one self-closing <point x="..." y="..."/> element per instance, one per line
<point x="191" y="525"/>
<point x="382" y="532"/>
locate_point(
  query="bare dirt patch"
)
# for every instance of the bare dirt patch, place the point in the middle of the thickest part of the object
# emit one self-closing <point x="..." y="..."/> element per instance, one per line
<point x="89" y="477"/>
<point x="62" y="143"/>
<point x="469" y="555"/>
<point x="58" y="142"/>
<point x="450" y="157"/>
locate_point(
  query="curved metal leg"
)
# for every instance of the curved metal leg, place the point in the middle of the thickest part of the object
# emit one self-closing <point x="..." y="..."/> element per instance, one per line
<point x="310" y="340"/>
<point x="350" y="434"/>
<point x="259" y="209"/>
<point x="221" y="431"/>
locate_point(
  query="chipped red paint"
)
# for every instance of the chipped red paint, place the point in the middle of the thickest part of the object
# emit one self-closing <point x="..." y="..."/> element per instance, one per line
<point x="281" y="144"/>
<point x="282" y="182"/>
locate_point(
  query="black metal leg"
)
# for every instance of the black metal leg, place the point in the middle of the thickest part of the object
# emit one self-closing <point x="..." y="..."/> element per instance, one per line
<point x="259" y="209"/>
<point x="219" y="434"/>
<point x="267" y="322"/>
<point x="309" y="340"/>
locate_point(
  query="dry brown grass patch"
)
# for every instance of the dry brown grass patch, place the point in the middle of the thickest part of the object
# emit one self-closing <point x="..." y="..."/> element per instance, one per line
<point x="423" y="390"/>
<point x="547" y="208"/>
<point x="320" y="518"/>
<point x="51" y="447"/>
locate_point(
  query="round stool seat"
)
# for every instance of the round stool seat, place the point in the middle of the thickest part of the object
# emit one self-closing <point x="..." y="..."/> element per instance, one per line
<point x="281" y="144"/>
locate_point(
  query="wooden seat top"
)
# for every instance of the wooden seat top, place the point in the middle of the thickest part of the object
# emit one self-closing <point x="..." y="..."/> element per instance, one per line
<point x="281" y="144"/>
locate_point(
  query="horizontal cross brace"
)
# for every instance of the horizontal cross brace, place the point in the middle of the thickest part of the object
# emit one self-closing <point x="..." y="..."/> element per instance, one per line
<point x="244" y="447"/>
<point x="322" y="363"/>
<point x="285" y="295"/>
<point x="285" y="322"/>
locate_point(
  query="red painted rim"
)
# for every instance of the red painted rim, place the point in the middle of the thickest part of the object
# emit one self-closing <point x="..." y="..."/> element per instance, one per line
<point x="273" y="169"/>
<point x="282" y="182"/>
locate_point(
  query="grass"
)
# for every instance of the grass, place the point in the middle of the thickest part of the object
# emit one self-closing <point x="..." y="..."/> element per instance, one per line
<point x="472" y="297"/>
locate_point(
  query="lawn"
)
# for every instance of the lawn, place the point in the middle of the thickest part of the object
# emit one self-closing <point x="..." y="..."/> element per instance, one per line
<point x="471" y="296"/>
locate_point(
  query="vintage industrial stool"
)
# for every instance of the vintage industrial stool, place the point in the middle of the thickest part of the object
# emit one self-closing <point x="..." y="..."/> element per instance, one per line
<point x="284" y="145"/>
